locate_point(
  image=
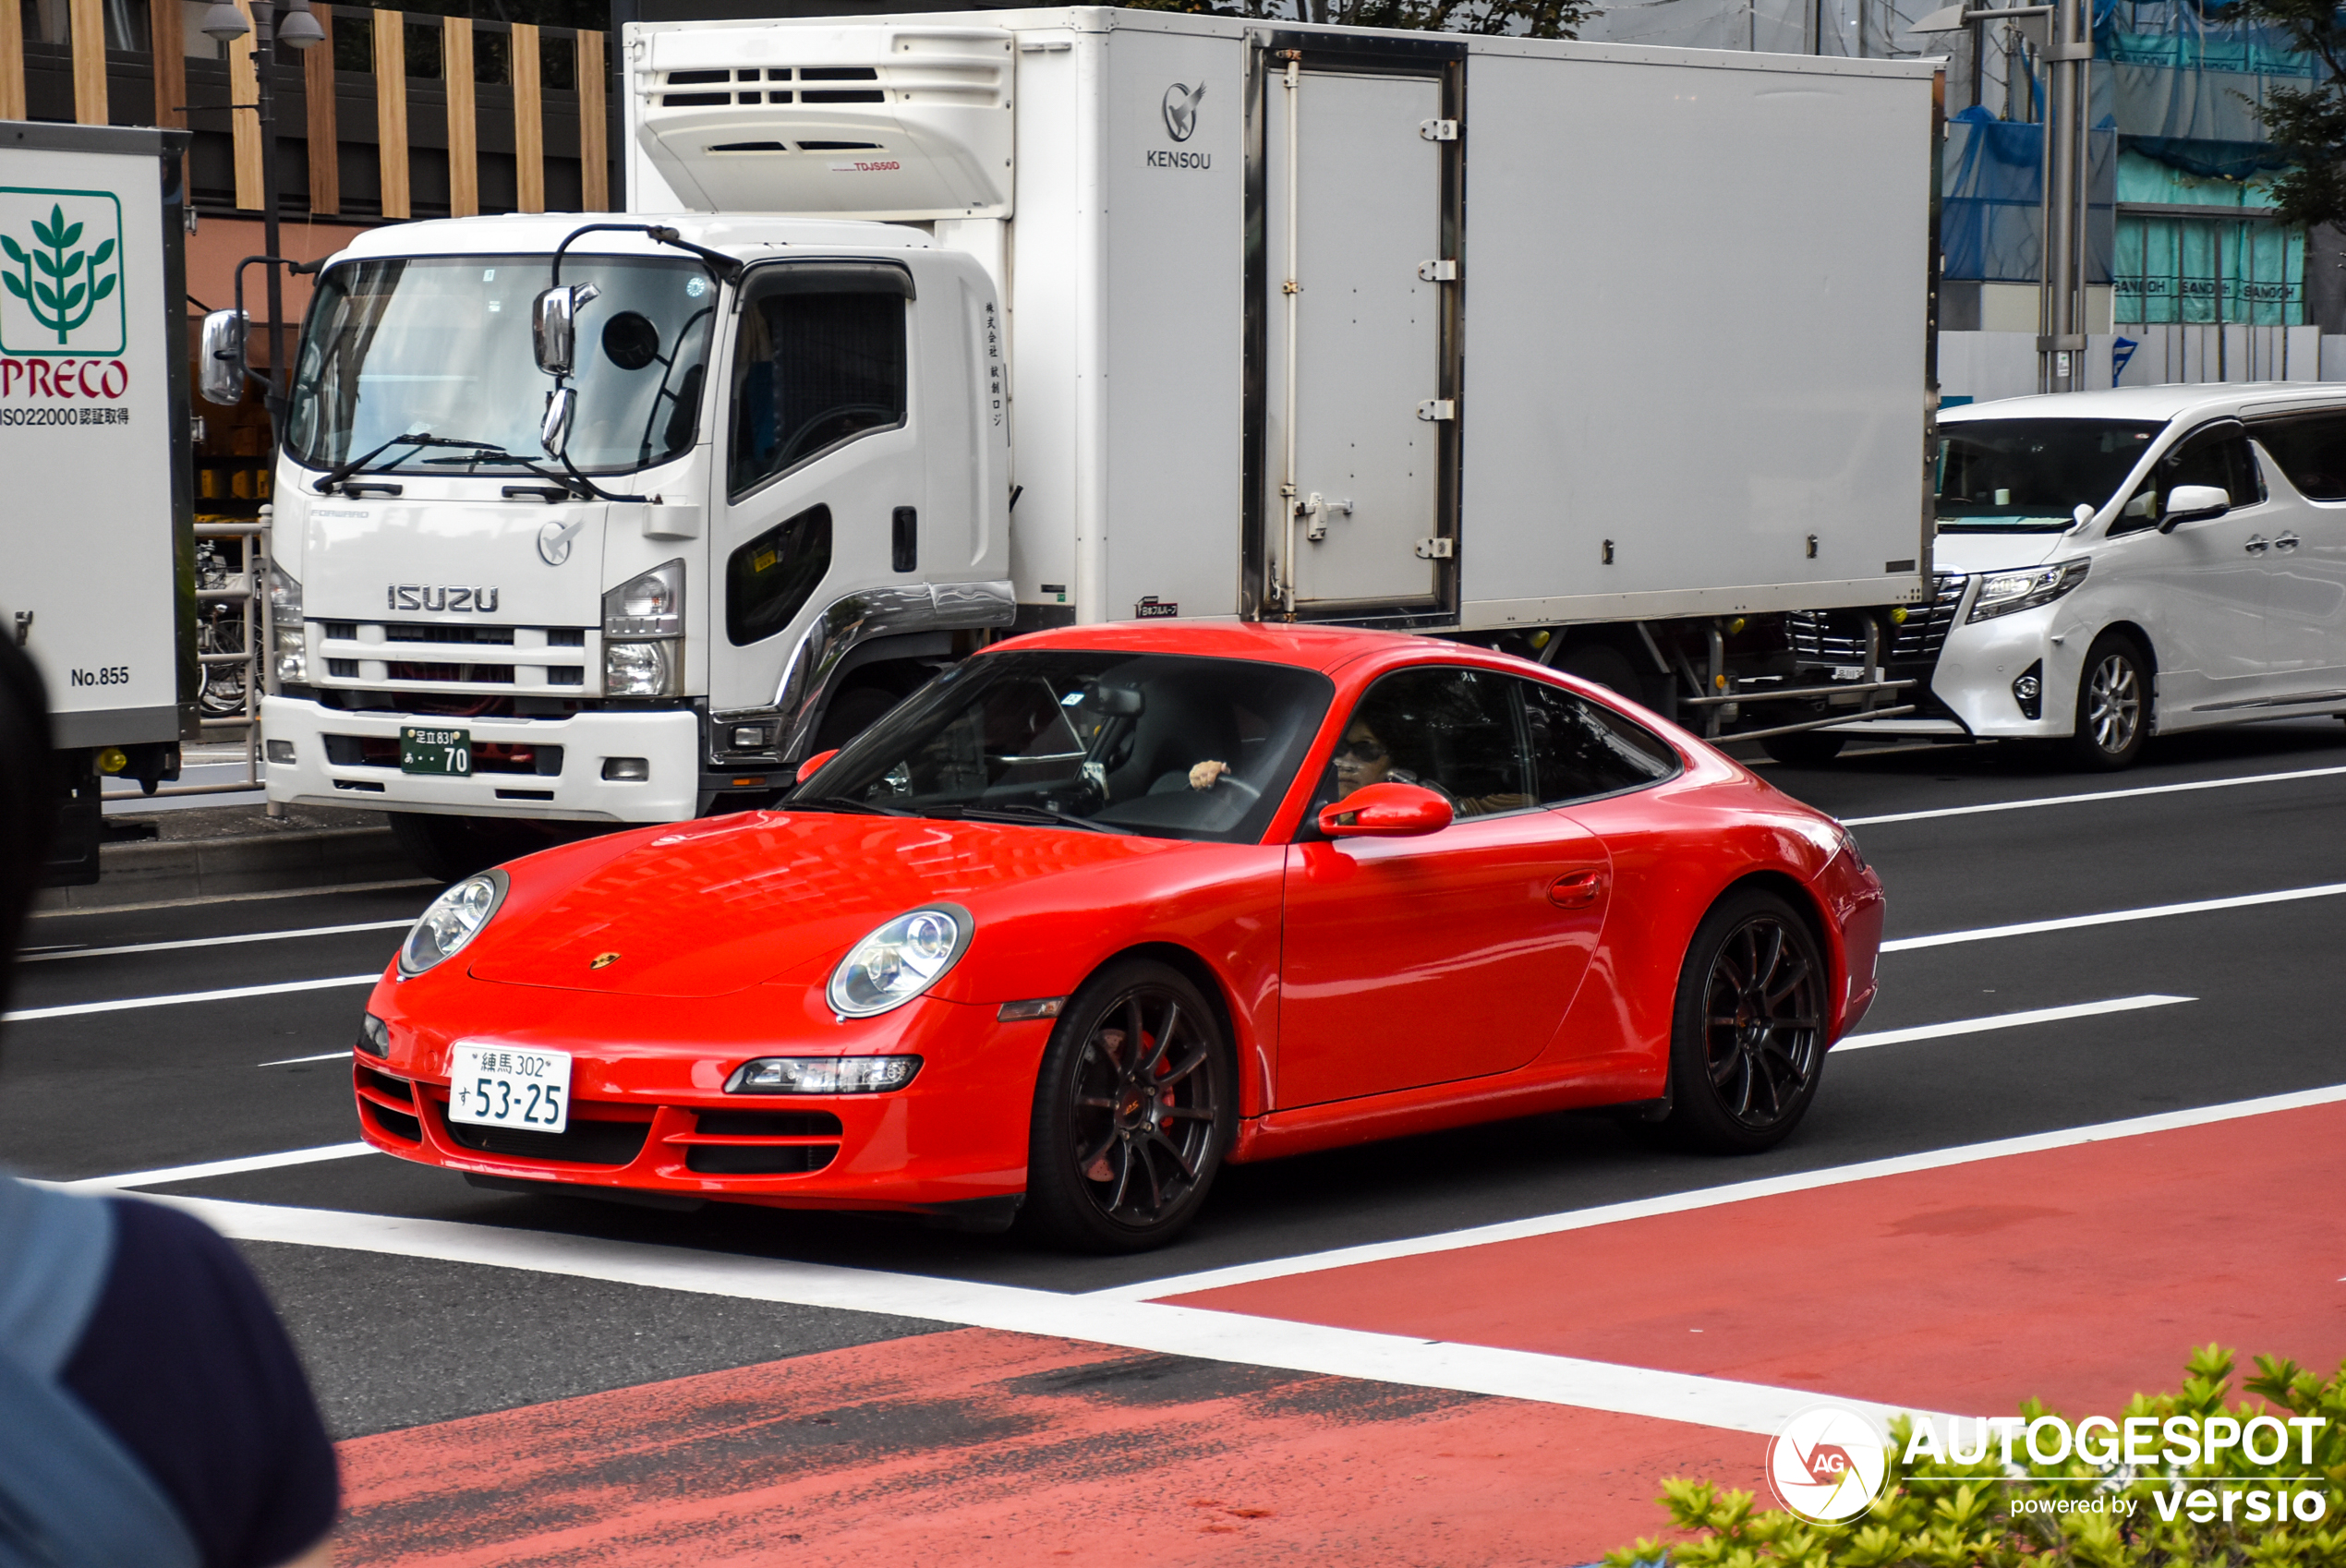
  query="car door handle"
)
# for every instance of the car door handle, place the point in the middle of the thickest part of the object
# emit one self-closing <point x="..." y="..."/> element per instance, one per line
<point x="2287" y="541"/>
<point x="1576" y="889"/>
<point x="2257" y="544"/>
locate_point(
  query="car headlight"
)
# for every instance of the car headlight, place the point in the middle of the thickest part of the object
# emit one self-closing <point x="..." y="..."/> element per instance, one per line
<point x="822" y="1075"/>
<point x="635" y="669"/>
<point x="2000" y="593"/>
<point x="900" y="960"/>
<point x="290" y="644"/>
<point x="453" y="919"/>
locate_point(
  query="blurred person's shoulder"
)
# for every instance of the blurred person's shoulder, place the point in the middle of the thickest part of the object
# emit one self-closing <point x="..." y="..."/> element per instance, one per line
<point x="183" y="1358"/>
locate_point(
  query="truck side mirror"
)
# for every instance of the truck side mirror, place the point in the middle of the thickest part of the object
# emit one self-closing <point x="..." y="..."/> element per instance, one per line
<point x="2189" y="504"/>
<point x="221" y="374"/>
<point x="553" y="325"/>
<point x="553" y="428"/>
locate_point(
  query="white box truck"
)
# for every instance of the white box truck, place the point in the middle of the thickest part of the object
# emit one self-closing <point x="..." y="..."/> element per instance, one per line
<point x="923" y="329"/>
<point x="97" y="526"/>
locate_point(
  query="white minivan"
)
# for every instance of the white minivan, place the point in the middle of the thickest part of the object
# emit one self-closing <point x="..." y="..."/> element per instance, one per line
<point x="2115" y="563"/>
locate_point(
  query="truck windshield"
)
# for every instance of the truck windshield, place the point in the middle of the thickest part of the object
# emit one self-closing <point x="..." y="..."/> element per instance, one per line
<point x="1155" y="744"/>
<point x="2031" y="476"/>
<point x="442" y="344"/>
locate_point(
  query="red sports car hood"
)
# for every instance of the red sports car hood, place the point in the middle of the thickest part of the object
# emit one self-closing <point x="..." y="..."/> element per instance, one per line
<point x="708" y="908"/>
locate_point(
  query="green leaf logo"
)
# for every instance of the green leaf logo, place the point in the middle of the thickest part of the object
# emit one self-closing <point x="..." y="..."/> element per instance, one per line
<point x="73" y="285"/>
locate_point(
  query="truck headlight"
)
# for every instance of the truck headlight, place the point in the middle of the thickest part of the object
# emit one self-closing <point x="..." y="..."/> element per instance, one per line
<point x="900" y="960"/>
<point x="290" y="642"/>
<point x="2002" y="593"/>
<point x="649" y="605"/>
<point x="635" y="669"/>
<point x="451" y="921"/>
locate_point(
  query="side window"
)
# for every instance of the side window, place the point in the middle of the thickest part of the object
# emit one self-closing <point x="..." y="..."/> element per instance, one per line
<point x="1581" y="749"/>
<point x="2311" y="448"/>
<point x="1451" y="729"/>
<point x="2219" y="457"/>
<point x="768" y="579"/>
<point x="819" y="360"/>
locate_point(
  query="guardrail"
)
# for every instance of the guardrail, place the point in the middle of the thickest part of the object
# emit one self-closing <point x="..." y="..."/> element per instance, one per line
<point x="259" y="639"/>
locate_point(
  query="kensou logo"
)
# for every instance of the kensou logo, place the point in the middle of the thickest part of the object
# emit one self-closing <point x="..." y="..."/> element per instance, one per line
<point x="1827" y="1463"/>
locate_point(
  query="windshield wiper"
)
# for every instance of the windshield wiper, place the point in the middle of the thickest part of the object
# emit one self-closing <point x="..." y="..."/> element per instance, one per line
<point x="842" y="802"/>
<point x="1034" y="815"/>
<point x="342" y="471"/>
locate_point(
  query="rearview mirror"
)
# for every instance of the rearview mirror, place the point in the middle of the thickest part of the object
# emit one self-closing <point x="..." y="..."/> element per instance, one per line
<point x="553" y="325"/>
<point x="814" y="765"/>
<point x="1386" y="811"/>
<point x="553" y="429"/>
<point x="220" y="375"/>
<point x="1114" y="702"/>
<point x="2189" y="504"/>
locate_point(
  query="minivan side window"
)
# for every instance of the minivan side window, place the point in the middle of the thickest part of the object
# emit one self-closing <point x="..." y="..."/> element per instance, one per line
<point x="1581" y="750"/>
<point x="820" y="361"/>
<point x="2218" y="457"/>
<point x="2311" y="448"/>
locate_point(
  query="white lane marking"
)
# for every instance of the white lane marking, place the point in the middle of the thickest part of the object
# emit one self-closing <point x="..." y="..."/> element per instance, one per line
<point x="338" y="1055"/>
<point x="335" y="889"/>
<point x="2096" y="795"/>
<point x="1132" y="1325"/>
<point x="214" y="941"/>
<point x="1994" y="1021"/>
<point x="1713" y="1197"/>
<point x="28" y="1015"/>
<point x="2113" y="917"/>
<point x="170" y="1173"/>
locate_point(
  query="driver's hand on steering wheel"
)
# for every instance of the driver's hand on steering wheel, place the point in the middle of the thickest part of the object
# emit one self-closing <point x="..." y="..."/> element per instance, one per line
<point x="1203" y="774"/>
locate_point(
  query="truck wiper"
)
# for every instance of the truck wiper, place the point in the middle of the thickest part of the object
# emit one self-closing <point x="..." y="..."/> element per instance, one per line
<point x="1022" y="813"/>
<point x="363" y="464"/>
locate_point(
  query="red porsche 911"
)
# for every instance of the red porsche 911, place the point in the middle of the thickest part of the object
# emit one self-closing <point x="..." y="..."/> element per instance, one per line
<point x="1102" y="909"/>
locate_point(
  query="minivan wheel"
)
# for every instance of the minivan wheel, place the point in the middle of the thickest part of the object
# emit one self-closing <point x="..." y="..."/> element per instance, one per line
<point x="2113" y="705"/>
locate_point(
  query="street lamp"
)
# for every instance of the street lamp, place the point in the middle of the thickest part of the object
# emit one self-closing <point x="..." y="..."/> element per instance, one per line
<point x="2064" y="40"/>
<point x="299" y="30"/>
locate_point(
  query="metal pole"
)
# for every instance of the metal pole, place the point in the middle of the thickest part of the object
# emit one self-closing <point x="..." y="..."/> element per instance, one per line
<point x="2060" y="345"/>
<point x="264" y="59"/>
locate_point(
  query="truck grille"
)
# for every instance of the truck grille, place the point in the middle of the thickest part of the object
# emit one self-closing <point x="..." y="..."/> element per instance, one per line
<point x="1838" y="636"/>
<point x="422" y="658"/>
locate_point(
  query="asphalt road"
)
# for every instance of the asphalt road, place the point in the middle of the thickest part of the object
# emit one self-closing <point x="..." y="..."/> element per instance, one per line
<point x="393" y="1342"/>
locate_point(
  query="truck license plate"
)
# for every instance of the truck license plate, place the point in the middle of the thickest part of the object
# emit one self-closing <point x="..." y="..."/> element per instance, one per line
<point x="498" y="1086"/>
<point x="435" y="751"/>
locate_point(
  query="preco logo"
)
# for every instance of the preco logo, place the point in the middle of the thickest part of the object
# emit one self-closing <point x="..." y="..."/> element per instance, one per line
<point x="415" y="596"/>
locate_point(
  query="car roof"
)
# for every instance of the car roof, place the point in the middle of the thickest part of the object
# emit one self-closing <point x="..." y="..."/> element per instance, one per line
<point x="1325" y="649"/>
<point x="2162" y="402"/>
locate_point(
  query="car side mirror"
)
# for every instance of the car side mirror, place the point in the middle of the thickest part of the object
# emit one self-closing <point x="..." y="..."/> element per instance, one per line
<point x="553" y="325"/>
<point x="2189" y="504"/>
<point x="814" y="765"/>
<point x="1386" y="811"/>
<point x="221" y="374"/>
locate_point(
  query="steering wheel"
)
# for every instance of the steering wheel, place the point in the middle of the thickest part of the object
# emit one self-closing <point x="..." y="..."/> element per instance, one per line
<point x="1251" y="791"/>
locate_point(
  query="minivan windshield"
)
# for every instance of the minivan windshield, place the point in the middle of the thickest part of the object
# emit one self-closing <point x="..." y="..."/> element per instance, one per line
<point x="1158" y="744"/>
<point x="2031" y="476"/>
<point x="442" y="343"/>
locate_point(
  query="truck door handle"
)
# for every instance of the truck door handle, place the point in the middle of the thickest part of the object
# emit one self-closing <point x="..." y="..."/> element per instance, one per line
<point x="1576" y="889"/>
<point x="2257" y="544"/>
<point x="2287" y="542"/>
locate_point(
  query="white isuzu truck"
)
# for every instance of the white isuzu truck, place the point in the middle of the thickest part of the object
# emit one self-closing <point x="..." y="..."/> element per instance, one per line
<point x="922" y="330"/>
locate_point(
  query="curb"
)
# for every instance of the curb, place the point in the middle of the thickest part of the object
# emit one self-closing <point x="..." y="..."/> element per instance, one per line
<point x="210" y="868"/>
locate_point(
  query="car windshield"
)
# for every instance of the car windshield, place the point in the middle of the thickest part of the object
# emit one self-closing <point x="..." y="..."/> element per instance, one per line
<point x="442" y="344"/>
<point x="1158" y="744"/>
<point x="2031" y="476"/>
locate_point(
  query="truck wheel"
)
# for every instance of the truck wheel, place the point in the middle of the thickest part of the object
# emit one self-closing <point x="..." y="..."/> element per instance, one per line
<point x="2113" y="705"/>
<point x="1805" y="748"/>
<point x="1604" y="665"/>
<point x="447" y="848"/>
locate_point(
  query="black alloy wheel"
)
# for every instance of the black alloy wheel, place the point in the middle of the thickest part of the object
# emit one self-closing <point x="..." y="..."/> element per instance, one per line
<point x="1134" y="1109"/>
<point x="1747" y="1041"/>
<point x="2113" y="705"/>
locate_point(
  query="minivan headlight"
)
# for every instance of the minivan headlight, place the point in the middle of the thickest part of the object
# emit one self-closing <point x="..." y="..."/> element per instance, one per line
<point x="2002" y="593"/>
<point x="451" y="921"/>
<point x="900" y="960"/>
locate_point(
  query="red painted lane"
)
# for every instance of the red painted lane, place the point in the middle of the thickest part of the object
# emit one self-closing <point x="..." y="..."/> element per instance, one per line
<point x="975" y="1447"/>
<point x="2078" y="1275"/>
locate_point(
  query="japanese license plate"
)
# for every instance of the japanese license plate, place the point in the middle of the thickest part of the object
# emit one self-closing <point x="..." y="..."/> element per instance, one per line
<point x="435" y="751"/>
<point x="499" y="1086"/>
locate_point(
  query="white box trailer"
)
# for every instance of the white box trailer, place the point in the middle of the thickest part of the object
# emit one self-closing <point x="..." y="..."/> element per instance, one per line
<point x="97" y="527"/>
<point x="1601" y="352"/>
